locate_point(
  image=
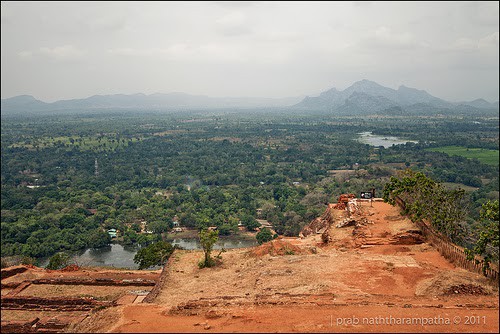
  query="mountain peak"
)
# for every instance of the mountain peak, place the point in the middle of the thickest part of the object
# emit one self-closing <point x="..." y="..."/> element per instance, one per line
<point x="331" y="91"/>
<point x="22" y="98"/>
<point x="480" y="103"/>
<point x="380" y="95"/>
<point x="366" y="83"/>
<point x="406" y="88"/>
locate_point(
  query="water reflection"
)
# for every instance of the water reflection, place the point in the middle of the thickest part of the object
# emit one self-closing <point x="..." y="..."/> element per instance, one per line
<point x="385" y="141"/>
<point x="119" y="256"/>
<point x="114" y="255"/>
<point x="194" y="243"/>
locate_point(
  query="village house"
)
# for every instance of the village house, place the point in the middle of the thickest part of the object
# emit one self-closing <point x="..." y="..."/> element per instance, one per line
<point x="112" y="233"/>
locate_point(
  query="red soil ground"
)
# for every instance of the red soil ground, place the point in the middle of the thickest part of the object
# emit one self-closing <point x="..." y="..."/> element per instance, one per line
<point x="358" y="282"/>
<point x="340" y="287"/>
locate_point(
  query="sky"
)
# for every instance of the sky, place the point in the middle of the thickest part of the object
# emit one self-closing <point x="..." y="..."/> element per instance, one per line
<point x="66" y="50"/>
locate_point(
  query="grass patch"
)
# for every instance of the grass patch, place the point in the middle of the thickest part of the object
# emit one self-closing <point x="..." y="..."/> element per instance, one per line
<point x="486" y="156"/>
<point x="454" y="186"/>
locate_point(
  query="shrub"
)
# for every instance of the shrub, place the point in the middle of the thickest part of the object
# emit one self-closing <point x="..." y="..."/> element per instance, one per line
<point x="265" y="235"/>
<point x="153" y="255"/>
<point x="58" y="261"/>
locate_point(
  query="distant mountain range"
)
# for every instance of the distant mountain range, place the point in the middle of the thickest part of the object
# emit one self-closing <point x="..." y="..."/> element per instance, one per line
<point x="367" y="97"/>
<point x="363" y="97"/>
<point x="28" y="103"/>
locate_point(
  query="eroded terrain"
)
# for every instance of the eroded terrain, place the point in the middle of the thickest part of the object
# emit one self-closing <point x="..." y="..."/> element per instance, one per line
<point x="374" y="275"/>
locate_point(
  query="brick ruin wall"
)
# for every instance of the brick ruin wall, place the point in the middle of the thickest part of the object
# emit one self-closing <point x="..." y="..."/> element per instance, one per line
<point x="19" y="326"/>
<point x="52" y="304"/>
<point x="94" y="281"/>
<point x="151" y="296"/>
<point x="11" y="301"/>
<point x="9" y="272"/>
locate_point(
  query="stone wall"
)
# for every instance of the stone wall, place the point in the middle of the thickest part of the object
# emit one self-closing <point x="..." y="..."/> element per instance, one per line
<point x="151" y="296"/>
<point x="52" y="304"/>
<point x="94" y="281"/>
<point x="6" y="273"/>
<point x="19" y="326"/>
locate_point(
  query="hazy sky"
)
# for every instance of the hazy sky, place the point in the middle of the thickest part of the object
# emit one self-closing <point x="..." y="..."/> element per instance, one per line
<point x="57" y="50"/>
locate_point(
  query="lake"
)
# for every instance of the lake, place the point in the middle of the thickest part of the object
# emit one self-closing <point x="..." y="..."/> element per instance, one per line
<point x="385" y="141"/>
<point x="114" y="255"/>
<point x="194" y="243"/>
<point x="119" y="256"/>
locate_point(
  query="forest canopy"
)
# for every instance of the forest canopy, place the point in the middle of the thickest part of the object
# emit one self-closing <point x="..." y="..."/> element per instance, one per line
<point x="68" y="179"/>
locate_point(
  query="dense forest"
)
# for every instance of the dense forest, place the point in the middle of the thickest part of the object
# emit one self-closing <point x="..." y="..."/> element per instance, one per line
<point x="67" y="178"/>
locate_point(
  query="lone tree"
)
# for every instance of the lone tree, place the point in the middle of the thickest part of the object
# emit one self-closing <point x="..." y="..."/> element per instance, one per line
<point x="153" y="255"/>
<point x="265" y="235"/>
<point x="207" y="241"/>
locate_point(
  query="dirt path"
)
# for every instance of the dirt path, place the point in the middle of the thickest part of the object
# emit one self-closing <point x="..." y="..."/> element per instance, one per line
<point x="354" y="318"/>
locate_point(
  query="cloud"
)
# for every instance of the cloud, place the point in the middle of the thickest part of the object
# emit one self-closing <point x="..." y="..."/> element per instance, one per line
<point x="185" y="52"/>
<point x="482" y="13"/>
<point x="233" y="24"/>
<point x="5" y="14"/>
<point x="58" y="53"/>
<point x="268" y="46"/>
<point x="106" y="23"/>
<point x="130" y="52"/>
<point x="466" y="44"/>
<point x="362" y="3"/>
<point x="489" y="41"/>
<point x="469" y="54"/>
<point x="385" y="37"/>
<point x="235" y="4"/>
<point x="463" y="44"/>
<point x="65" y="52"/>
<point x="25" y="54"/>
